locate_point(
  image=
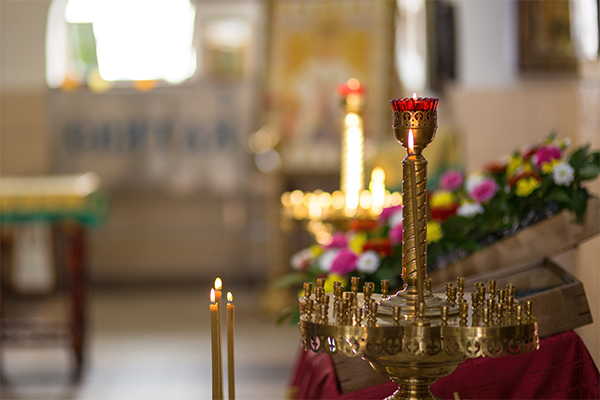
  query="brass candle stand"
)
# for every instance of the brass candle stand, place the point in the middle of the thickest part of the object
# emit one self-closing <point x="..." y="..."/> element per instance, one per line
<point x="415" y="337"/>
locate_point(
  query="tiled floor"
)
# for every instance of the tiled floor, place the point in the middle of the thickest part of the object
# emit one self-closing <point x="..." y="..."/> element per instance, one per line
<point x="155" y="344"/>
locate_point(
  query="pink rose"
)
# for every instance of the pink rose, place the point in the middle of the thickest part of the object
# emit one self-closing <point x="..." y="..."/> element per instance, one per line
<point x="338" y="241"/>
<point x="485" y="190"/>
<point x="546" y="154"/>
<point x="451" y="180"/>
<point x="344" y="262"/>
<point x="387" y="213"/>
<point x="396" y="234"/>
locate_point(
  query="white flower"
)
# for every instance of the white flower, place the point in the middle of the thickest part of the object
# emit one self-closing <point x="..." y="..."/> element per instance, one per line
<point x="469" y="210"/>
<point x="473" y="180"/>
<point x="563" y="174"/>
<point x="395" y="219"/>
<point x="368" y="262"/>
<point x="301" y="260"/>
<point x="327" y="259"/>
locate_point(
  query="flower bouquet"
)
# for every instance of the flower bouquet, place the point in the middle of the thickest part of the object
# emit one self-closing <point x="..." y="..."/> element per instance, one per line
<point x="466" y="214"/>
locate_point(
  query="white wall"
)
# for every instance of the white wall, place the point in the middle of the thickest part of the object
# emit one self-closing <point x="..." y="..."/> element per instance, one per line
<point x="486" y="43"/>
<point x="22" y="41"/>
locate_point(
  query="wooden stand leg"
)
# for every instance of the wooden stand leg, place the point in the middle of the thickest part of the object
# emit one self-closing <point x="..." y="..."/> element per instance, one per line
<point x="75" y="236"/>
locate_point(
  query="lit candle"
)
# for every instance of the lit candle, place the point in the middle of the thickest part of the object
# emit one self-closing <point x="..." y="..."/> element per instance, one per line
<point x="218" y="293"/>
<point x="215" y="340"/>
<point x="230" y="352"/>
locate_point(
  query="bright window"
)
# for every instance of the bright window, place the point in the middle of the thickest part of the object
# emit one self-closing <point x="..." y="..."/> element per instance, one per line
<point x="120" y="40"/>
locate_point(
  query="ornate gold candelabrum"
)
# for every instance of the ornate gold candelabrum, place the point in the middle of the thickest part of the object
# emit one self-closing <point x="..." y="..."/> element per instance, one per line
<point x="415" y="337"/>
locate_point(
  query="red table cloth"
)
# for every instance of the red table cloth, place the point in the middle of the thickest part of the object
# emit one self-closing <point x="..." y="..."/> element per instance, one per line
<point x="561" y="369"/>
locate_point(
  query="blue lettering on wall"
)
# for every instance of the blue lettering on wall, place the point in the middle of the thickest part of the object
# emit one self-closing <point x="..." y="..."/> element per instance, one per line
<point x="135" y="135"/>
<point x="73" y="137"/>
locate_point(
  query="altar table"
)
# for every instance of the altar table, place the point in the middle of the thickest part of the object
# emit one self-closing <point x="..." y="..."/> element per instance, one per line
<point x="71" y="204"/>
<point x="561" y="369"/>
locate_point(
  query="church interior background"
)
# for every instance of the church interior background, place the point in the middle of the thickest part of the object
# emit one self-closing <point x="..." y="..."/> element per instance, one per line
<point x="194" y="117"/>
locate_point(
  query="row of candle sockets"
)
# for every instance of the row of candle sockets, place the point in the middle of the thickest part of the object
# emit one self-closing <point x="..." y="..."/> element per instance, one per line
<point x="345" y="304"/>
<point x="323" y="205"/>
<point x="488" y="305"/>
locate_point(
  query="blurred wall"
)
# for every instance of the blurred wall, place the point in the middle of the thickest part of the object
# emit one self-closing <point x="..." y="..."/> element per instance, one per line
<point x="24" y="146"/>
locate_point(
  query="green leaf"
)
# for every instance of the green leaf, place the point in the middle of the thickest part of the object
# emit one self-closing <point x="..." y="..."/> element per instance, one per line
<point x="288" y="280"/>
<point x="471" y="246"/>
<point x="579" y="204"/>
<point x="588" y="172"/>
<point x="559" y="194"/>
<point x="291" y="313"/>
<point x="579" y="159"/>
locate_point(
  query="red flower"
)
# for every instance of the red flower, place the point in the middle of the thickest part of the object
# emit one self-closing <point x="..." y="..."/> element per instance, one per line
<point x="344" y="262"/>
<point x="383" y="246"/>
<point x="495" y="167"/>
<point x="441" y="214"/>
<point x="363" y="225"/>
<point x="512" y="181"/>
<point x="529" y="150"/>
<point x="410" y="104"/>
<point x="396" y="234"/>
<point x="547" y="154"/>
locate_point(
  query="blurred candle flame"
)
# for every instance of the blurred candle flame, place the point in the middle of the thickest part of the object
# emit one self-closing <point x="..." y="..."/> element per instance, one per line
<point x="353" y="83"/>
<point x="229" y="297"/>
<point x="411" y="142"/>
<point x="212" y="296"/>
<point x="414" y="95"/>
<point x="218" y="284"/>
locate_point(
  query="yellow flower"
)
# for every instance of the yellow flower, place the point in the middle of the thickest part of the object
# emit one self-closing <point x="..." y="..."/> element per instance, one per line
<point x="357" y="242"/>
<point x="527" y="185"/>
<point x="434" y="231"/>
<point x="315" y="250"/>
<point x="547" y="167"/>
<point x="513" y="164"/>
<point x="332" y="278"/>
<point x="441" y="199"/>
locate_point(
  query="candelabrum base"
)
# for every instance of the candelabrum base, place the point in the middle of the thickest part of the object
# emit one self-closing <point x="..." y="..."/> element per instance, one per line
<point x="413" y="390"/>
<point x="414" y="380"/>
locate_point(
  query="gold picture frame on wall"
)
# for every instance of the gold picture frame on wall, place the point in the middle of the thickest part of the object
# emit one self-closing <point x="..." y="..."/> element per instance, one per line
<point x="545" y="40"/>
<point x="313" y="48"/>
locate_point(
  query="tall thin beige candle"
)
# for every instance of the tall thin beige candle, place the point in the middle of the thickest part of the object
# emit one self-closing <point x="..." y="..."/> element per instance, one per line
<point x="215" y="340"/>
<point x="230" y="351"/>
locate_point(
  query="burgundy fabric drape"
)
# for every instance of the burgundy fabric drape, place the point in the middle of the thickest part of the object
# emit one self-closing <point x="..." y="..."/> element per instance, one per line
<point x="561" y="369"/>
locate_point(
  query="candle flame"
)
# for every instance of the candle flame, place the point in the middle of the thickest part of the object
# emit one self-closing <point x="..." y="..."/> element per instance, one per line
<point x="229" y="297"/>
<point x="414" y="95"/>
<point x="353" y="83"/>
<point x="218" y="284"/>
<point x="411" y="142"/>
<point x="212" y="295"/>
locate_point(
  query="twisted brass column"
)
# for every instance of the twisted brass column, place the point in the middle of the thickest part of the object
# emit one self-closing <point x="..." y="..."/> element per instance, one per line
<point x="414" y="227"/>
